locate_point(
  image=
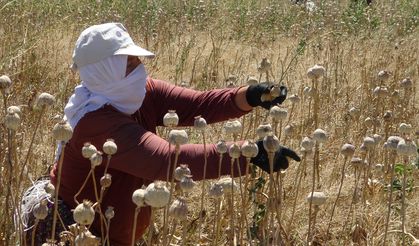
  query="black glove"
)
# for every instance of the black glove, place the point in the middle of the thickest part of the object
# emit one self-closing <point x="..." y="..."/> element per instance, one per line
<point x="255" y="92"/>
<point x="280" y="158"/>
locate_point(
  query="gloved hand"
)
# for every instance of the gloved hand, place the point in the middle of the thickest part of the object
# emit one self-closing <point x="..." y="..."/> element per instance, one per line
<point x="280" y="158"/>
<point x="255" y="92"/>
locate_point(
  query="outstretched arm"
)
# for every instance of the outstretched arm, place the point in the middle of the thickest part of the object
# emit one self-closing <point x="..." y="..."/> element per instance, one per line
<point x="147" y="156"/>
<point x="214" y="105"/>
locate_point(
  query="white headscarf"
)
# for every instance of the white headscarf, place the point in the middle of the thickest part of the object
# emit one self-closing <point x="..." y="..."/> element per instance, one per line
<point x="103" y="83"/>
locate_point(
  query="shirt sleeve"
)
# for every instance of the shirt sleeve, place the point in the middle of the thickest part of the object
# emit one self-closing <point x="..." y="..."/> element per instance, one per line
<point x="213" y="105"/>
<point x="147" y="156"/>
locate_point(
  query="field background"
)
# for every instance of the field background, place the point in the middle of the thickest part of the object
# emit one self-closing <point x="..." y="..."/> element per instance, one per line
<point x="203" y="44"/>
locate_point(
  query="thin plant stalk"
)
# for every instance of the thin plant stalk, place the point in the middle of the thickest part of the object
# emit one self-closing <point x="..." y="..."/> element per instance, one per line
<point x="231" y="202"/>
<point x="247" y="178"/>
<point x="290" y="115"/>
<point x="38" y="121"/>
<point x="316" y="104"/>
<point x="313" y="183"/>
<point x="406" y="163"/>
<point x="220" y="161"/>
<point x="172" y="232"/>
<point x="298" y="179"/>
<point x="201" y="211"/>
<point x="316" y="210"/>
<point x="10" y="180"/>
<point x="280" y="131"/>
<point x="342" y="177"/>
<point x="317" y="164"/>
<point x="243" y="197"/>
<point x="216" y="224"/>
<point x="108" y="225"/>
<point x="354" y="195"/>
<point x="272" y="187"/>
<point x="184" y="235"/>
<point x="390" y="197"/>
<point x="57" y="189"/>
<point x="166" y="210"/>
<point x="134" y="225"/>
<point x="82" y="187"/>
<point x="108" y="160"/>
<point x="172" y="187"/>
<point x="151" y="227"/>
<point x="366" y="173"/>
<point x="98" y="200"/>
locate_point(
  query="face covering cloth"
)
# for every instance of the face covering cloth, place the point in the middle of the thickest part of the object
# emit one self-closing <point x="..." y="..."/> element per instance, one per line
<point x="104" y="83"/>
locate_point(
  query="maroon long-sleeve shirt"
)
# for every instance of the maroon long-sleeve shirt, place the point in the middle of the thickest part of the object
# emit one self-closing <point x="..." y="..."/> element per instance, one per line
<point x="142" y="156"/>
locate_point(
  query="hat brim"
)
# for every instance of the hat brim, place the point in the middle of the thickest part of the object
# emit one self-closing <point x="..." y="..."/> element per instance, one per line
<point x="134" y="50"/>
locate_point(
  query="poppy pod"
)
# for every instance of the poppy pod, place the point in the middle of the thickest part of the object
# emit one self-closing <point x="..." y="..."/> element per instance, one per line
<point x="187" y="184"/>
<point x="393" y="141"/>
<point x="263" y="130"/>
<point x="216" y="190"/>
<point x="88" y="150"/>
<point x="233" y="127"/>
<point x="271" y="143"/>
<point x="320" y="135"/>
<point x="5" y="84"/>
<point x="316" y="198"/>
<point x="407" y="147"/>
<point x="405" y="128"/>
<point x="228" y="184"/>
<point x="62" y="131"/>
<point x="252" y="81"/>
<point x="44" y="100"/>
<point x="383" y="75"/>
<point x="178" y="137"/>
<point x="294" y="99"/>
<point x="264" y="66"/>
<point x="249" y="149"/>
<point x="84" y="213"/>
<point x="96" y="159"/>
<point x="347" y="150"/>
<point x="278" y="114"/>
<point x="181" y="171"/>
<point x="369" y="142"/>
<point x="109" y="213"/>
<point x="179" y="209"/>
<point x="109" y="147"/>
<point x="234" y="151"/>
<point x="138" y="197"/>
<point x="307" y="143"/>
<point x="157" y="195"/>
<point x="12" y="121"/>
<point x="316" y="72"/>
<point x="200" y="123"/>
<point x="289" y="130"/>
<point x="406" y="83"/>
<point x="221" y="147"/>
<point x="106" y="180"/>
<point x="171" y="119"/>
<point x="354" y="113"/>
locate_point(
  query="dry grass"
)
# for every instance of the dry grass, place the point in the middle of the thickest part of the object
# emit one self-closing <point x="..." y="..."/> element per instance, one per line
<point x="203" y="44"/>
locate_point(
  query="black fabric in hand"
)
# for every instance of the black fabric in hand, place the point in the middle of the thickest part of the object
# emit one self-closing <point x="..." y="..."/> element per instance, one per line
<point x="255" y="92"/>
<point x="280" y="158"/>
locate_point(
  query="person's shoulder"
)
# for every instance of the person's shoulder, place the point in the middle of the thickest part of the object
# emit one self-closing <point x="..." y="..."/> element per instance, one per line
<point x="105" y="117"/>
<point x="157" y="85"/>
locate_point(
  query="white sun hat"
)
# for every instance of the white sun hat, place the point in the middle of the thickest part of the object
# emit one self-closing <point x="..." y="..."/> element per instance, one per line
<point x="101" y="41"/>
